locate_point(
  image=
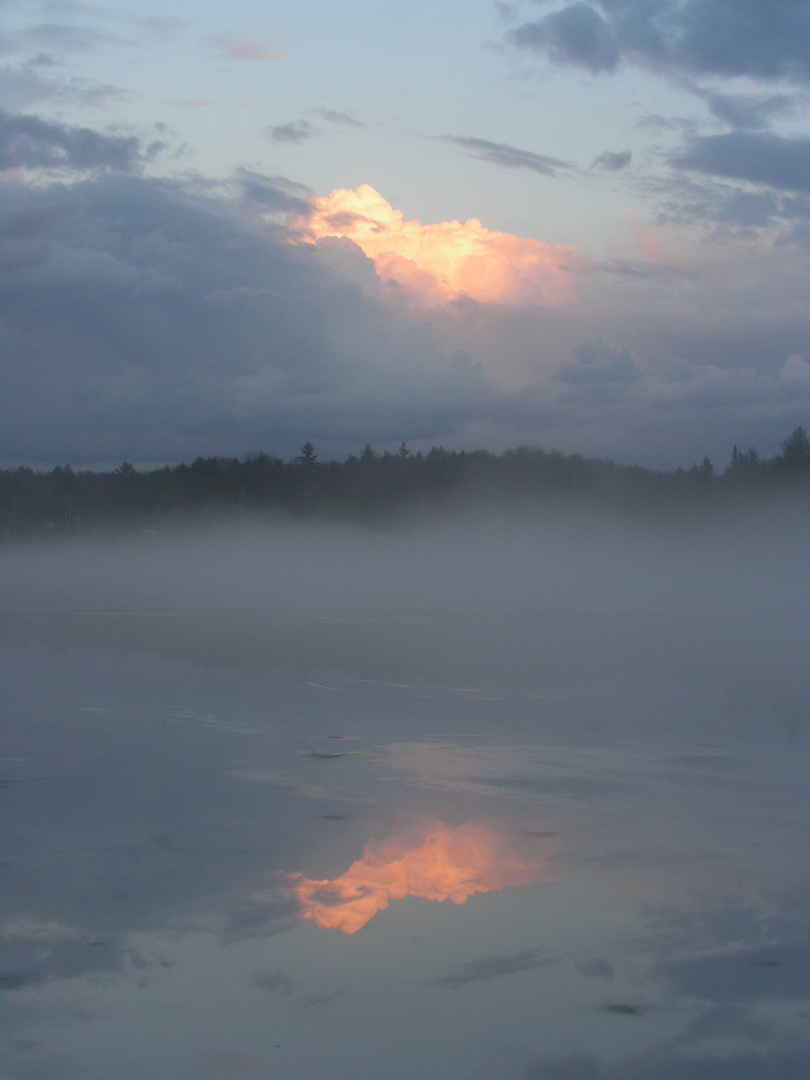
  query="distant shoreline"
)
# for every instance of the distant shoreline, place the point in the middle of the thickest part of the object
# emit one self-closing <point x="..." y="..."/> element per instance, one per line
<point x="383" y="487"/>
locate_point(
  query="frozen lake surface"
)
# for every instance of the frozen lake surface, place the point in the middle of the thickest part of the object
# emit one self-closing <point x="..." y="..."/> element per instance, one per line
<point x="451" y="844"/>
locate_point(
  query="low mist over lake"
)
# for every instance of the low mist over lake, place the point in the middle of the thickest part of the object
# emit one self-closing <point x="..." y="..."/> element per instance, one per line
<point x="517" y="793"/>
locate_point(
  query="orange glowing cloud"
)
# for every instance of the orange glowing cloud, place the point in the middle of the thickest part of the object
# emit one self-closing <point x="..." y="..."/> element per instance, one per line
<point x="447" y="260"/>
<point x="441" y="864"/>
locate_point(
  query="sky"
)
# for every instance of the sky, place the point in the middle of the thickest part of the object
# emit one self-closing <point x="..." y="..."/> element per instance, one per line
<point x="577" y="225"/>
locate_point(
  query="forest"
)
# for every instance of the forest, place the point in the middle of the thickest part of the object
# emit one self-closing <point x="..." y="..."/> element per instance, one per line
<point x="384" y="486"/>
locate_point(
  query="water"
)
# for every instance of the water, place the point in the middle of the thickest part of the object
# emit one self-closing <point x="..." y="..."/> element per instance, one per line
<point x="449" y="843"/>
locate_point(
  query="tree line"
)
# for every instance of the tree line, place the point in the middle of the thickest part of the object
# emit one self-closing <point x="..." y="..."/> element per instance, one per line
<point x="375" y="486"/>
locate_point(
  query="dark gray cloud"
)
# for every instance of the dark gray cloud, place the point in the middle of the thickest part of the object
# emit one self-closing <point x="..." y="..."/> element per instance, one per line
<point x="33" y="143"/>
<point x="634" y="268"/>
<point x="728" y="1022"/>
<point x="295" y="132"/>
<point x="658" y="123"/>
<point x="745" y="110"/>
<point x="596" y="969"/>
<point x="62" y="38"/>
<point x="508" y="157"/>
<point x="96" y="29"/>
<point x="576" y="35"/>
<point x="772" y="971"/>
<point x="275" y="194"/>
<point x="153" y="321"/>
<point x="597" y="362"/>
<point x="686" y="198"/>
<point x="492" y="967"/>
<point x="756" y="157"/>
<point x="156" y="320"/>
<point x="341" y="118"/>
<point x="766" y="39"/>
<point x="277" y="982"/>
<point x="30" y="83"/>
<point x="314" y="1001"/>
<point x="35" y="953"/>
<point x="749" y="209"/>
<point x="613" y="160"/>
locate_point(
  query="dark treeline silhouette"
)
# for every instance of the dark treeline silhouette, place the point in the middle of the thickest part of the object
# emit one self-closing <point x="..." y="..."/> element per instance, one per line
<point x="381" y="486"/>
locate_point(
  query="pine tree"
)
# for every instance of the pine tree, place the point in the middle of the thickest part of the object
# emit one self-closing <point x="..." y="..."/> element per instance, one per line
<point x="307" y="456"/>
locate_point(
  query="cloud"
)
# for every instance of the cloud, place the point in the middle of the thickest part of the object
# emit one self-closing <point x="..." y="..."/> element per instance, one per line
<point x="277" y="982"/>
<point x="440" y="864"/>
<point x="746" y="110"/>
<point x="160" y="27"/>
<point x="35" y="951"/>
<point x="688" y="198"/>
<point x="295" y="132"/>
<point x="613" y="160"/>
<point x="508" y="157"/>
<point x="250" y="48"/>
<point x="576" y="35"/>
<point x="596" y="969"/>
<point x="64" y="38"/>
<point x="726" y="38"/>
<point x="173" y="321"/>
<point x="657" y="123"/>
<point x="33" y="143"/>
<point x="197" y="103"/>
<point x="102" y="29"/>
<point x="341" y="118"/>
<point x="661" y="399"/>
<point x="755" y="157"/>
<point x="447" y="260"/>
<point x="492" y="967"/>
<point x="23" y="85"/>
<point x="742" y="975"/>
<point x="598" y="363"/>
<point x="274" y="194"/>
<point x="157" y="320"/>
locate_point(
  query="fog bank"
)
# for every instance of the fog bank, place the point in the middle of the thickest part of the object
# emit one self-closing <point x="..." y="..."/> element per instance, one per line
<point x="573" y="563"/>
<point x="582" y="604"/>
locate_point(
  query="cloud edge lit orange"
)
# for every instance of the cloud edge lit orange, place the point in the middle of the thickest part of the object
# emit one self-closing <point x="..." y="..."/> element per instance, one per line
<point x="447" y="260"/>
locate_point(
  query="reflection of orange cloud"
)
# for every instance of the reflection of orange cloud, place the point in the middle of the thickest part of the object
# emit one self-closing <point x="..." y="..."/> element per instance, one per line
<point x="447" y="260"/>
<point x="441" y="864"/>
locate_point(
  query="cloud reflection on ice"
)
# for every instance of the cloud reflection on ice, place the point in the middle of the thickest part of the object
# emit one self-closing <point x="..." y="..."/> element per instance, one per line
<point x="440" y="863"/>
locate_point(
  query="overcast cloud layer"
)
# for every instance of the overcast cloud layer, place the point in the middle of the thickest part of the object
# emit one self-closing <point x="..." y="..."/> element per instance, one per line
<point x="627" y="279"/>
